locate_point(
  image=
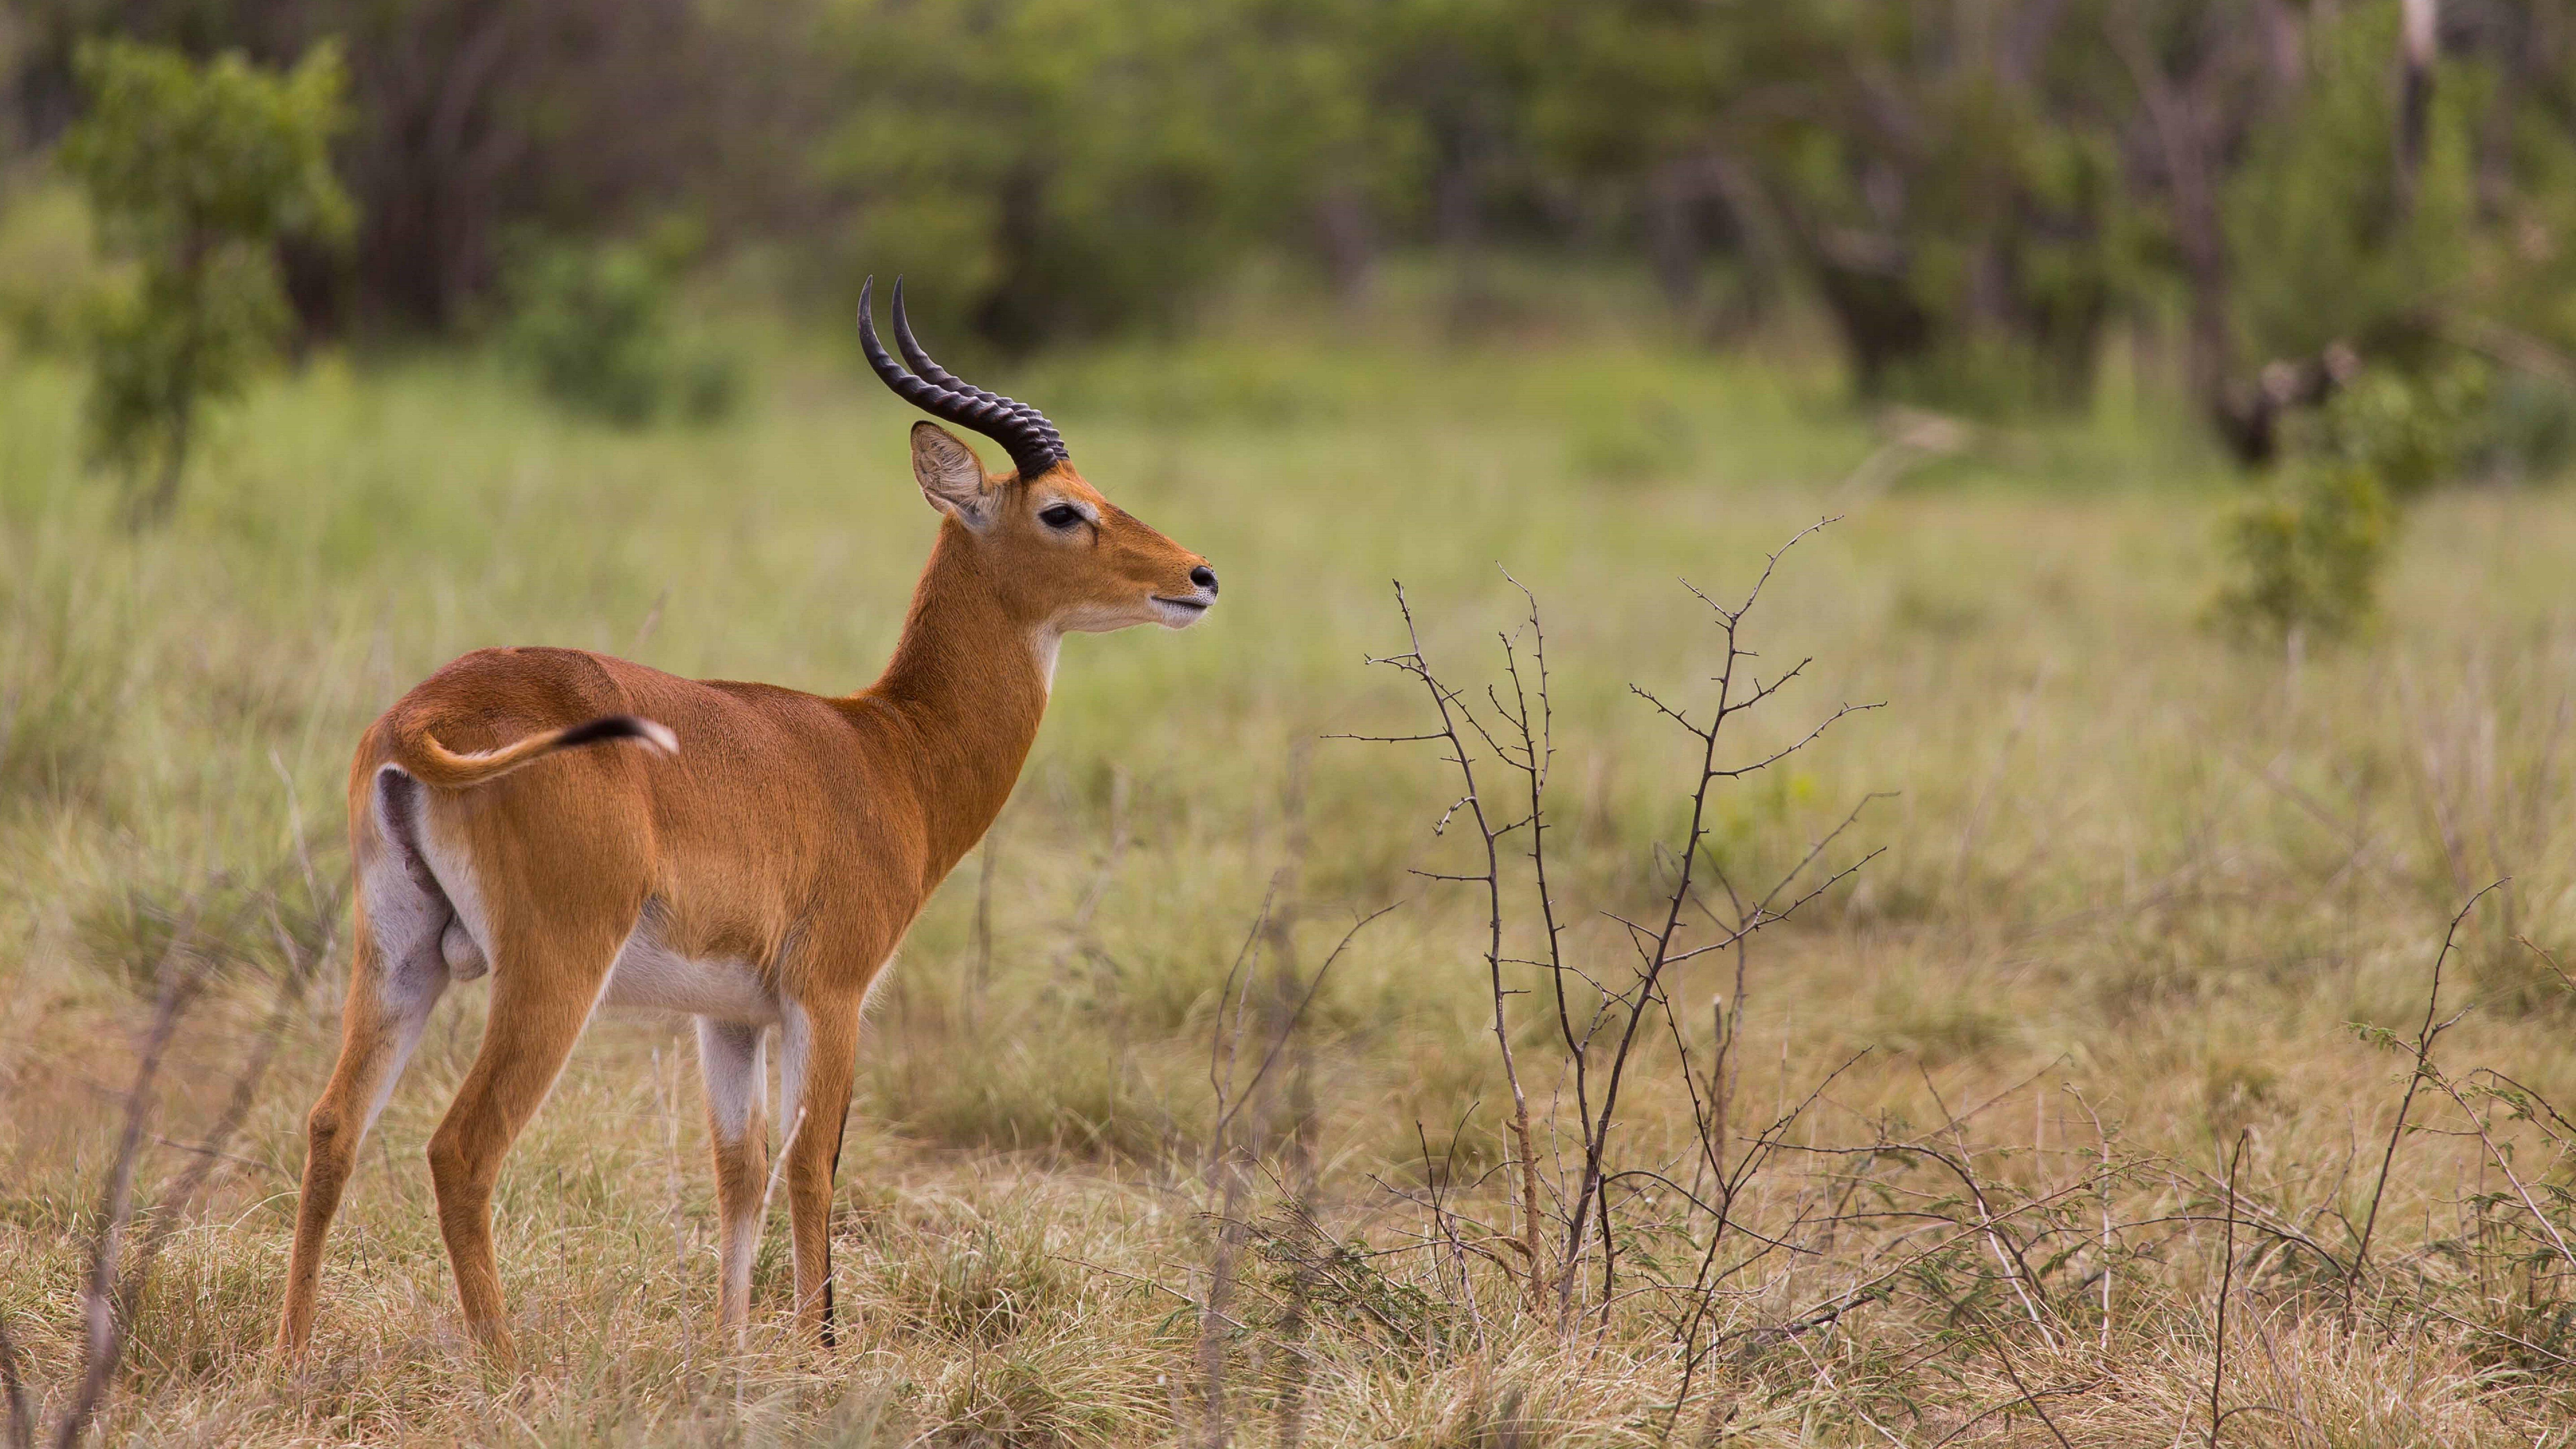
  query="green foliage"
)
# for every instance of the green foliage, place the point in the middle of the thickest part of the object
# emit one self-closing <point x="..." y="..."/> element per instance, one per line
<point x="1977" y="198"/>
<point x="2307" y="552"/>
<point x="2324" y="244"/>
<point x="1962" y="221"/>
<point x="48" y="263"/>
<point x="2452" y="418"/>
<point x="593" y="326"/>
<point x="2308" y="548"/>
<point x="165" y="343"/>
<point x="195" y="172"/>
<point x="2410" y="431"/>
<point x="2334" y="244"/>
<point x="2530" y="427"/>
<point x="1052" y="167"/>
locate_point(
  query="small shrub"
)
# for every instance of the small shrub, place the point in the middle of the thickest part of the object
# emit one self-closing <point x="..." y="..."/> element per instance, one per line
<point x="593" y="328"/>
<point x="2413" y="432"/>
<point x="2307" y="551"/>
<point x="195" y="172"/>
<point x="1342" y="1289"/>
<point x="2308" y="548"/>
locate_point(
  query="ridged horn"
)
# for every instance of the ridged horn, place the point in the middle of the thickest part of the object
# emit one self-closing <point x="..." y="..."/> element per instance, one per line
<point x="1033" y="443"/>
<point x="920" y="358"/>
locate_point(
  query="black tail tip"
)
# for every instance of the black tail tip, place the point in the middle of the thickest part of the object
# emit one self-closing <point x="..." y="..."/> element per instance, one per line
<point x="653" y="733"/>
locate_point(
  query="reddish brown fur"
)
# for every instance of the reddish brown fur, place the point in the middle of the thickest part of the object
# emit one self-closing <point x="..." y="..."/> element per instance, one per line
<point x="793" y="831"/>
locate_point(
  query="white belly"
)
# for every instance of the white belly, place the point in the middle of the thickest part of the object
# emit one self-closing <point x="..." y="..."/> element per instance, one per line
<point x="648" y="976"/>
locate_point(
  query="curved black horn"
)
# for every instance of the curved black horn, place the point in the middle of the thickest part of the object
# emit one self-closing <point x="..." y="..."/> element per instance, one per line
<point x="1022" y="430"/>
<point x="920" y="394"/>
<point x="920" y="358"/>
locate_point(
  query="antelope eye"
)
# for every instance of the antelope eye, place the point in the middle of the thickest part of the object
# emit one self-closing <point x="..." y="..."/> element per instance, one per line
<point x="1060" y="515"/>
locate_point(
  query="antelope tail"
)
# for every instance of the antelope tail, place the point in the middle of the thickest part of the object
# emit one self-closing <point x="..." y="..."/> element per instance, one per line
<point x="432" y="763"/>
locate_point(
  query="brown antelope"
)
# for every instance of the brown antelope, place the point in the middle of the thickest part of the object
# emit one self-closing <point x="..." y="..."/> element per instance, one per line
<point x="751" y="859"/>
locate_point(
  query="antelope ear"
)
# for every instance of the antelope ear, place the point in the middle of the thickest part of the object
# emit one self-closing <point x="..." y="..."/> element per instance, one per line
<point x="950" y="475"/>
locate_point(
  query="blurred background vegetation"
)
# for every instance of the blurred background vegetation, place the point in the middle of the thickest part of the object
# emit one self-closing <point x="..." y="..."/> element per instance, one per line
<point x="2245" y="209"/>
<point x="2327" y="236"/>
<point x="1976" y="198"/>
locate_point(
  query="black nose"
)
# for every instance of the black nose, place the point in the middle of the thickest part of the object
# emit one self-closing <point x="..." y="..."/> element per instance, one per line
<point x="1204" y="577"/>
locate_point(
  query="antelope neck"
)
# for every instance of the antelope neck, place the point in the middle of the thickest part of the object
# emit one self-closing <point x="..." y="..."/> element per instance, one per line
<point x="962" y="698"/>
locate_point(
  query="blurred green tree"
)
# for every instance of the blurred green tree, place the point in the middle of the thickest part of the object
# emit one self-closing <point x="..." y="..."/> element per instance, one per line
<point x="592" y="325"/>
<point x="195" y="173"/>
<point x="1931" y="171"/>
<point x="2305" y="553"/>
<point x="1974" y="194"/>
<point x="1054" y="167"/>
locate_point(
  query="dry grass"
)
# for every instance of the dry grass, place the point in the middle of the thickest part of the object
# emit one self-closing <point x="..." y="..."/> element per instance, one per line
<point x="2138" y="891"/>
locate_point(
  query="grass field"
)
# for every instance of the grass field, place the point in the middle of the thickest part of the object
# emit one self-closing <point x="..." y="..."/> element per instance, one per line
<point x="2138" y="891"/>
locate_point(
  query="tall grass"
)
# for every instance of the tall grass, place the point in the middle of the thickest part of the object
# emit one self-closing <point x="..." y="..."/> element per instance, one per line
<point x="2132" y="876"/>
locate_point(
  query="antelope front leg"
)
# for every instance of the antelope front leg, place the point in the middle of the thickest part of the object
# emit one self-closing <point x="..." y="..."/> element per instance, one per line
<point x="729" y="1065"/>
<point x="818" y="1048"/>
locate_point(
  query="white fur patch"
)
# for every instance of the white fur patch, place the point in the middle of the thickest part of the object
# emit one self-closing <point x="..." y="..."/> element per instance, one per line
<point x="448" y="861"/>
<point x="649" y="976"/>
<point x="1172" y="615"/>
<point x="405" y="919"/>
<point x="1046" y="644"/>
<point x="795" y="1051"/>
<point x="729" y="1061"/>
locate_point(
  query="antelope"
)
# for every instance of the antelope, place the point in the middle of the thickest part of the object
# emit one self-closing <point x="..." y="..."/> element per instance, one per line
<point x="596" y="833"/>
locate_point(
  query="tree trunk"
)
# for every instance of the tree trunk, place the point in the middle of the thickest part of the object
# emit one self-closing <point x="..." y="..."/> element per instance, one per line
<point x="1348" y="241"/>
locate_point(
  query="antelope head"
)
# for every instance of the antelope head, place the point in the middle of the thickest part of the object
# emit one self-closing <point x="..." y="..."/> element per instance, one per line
<point x="1058" y="556"/>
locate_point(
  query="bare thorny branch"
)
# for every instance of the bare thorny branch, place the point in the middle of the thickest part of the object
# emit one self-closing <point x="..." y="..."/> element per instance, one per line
<point x="1514" y="731"/>
<point x="2001" y="1254"/>
<point x="117" y="1279"/>
<point x="1931" y="1220"/>
<point x="2425" y="1037"/>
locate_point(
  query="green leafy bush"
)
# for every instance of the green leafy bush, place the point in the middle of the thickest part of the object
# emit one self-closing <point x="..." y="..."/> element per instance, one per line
<point x="2324" y="245"/>
<point x="2412" y="431"/>
<point x="2307" y="552"/>
<point x="195" y="172"/>
<point x="2531" y="427"/>
<point x="2308" y="548"/>
<point x="1046" y="171"/>
<point x="593" y="328"/>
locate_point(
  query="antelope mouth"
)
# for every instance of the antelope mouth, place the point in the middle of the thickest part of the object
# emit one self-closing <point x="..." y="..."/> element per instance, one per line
<point x="1180" y="613"/>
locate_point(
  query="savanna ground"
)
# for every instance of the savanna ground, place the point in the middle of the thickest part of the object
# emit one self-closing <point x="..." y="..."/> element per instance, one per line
<point x="2143" y="902"/>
